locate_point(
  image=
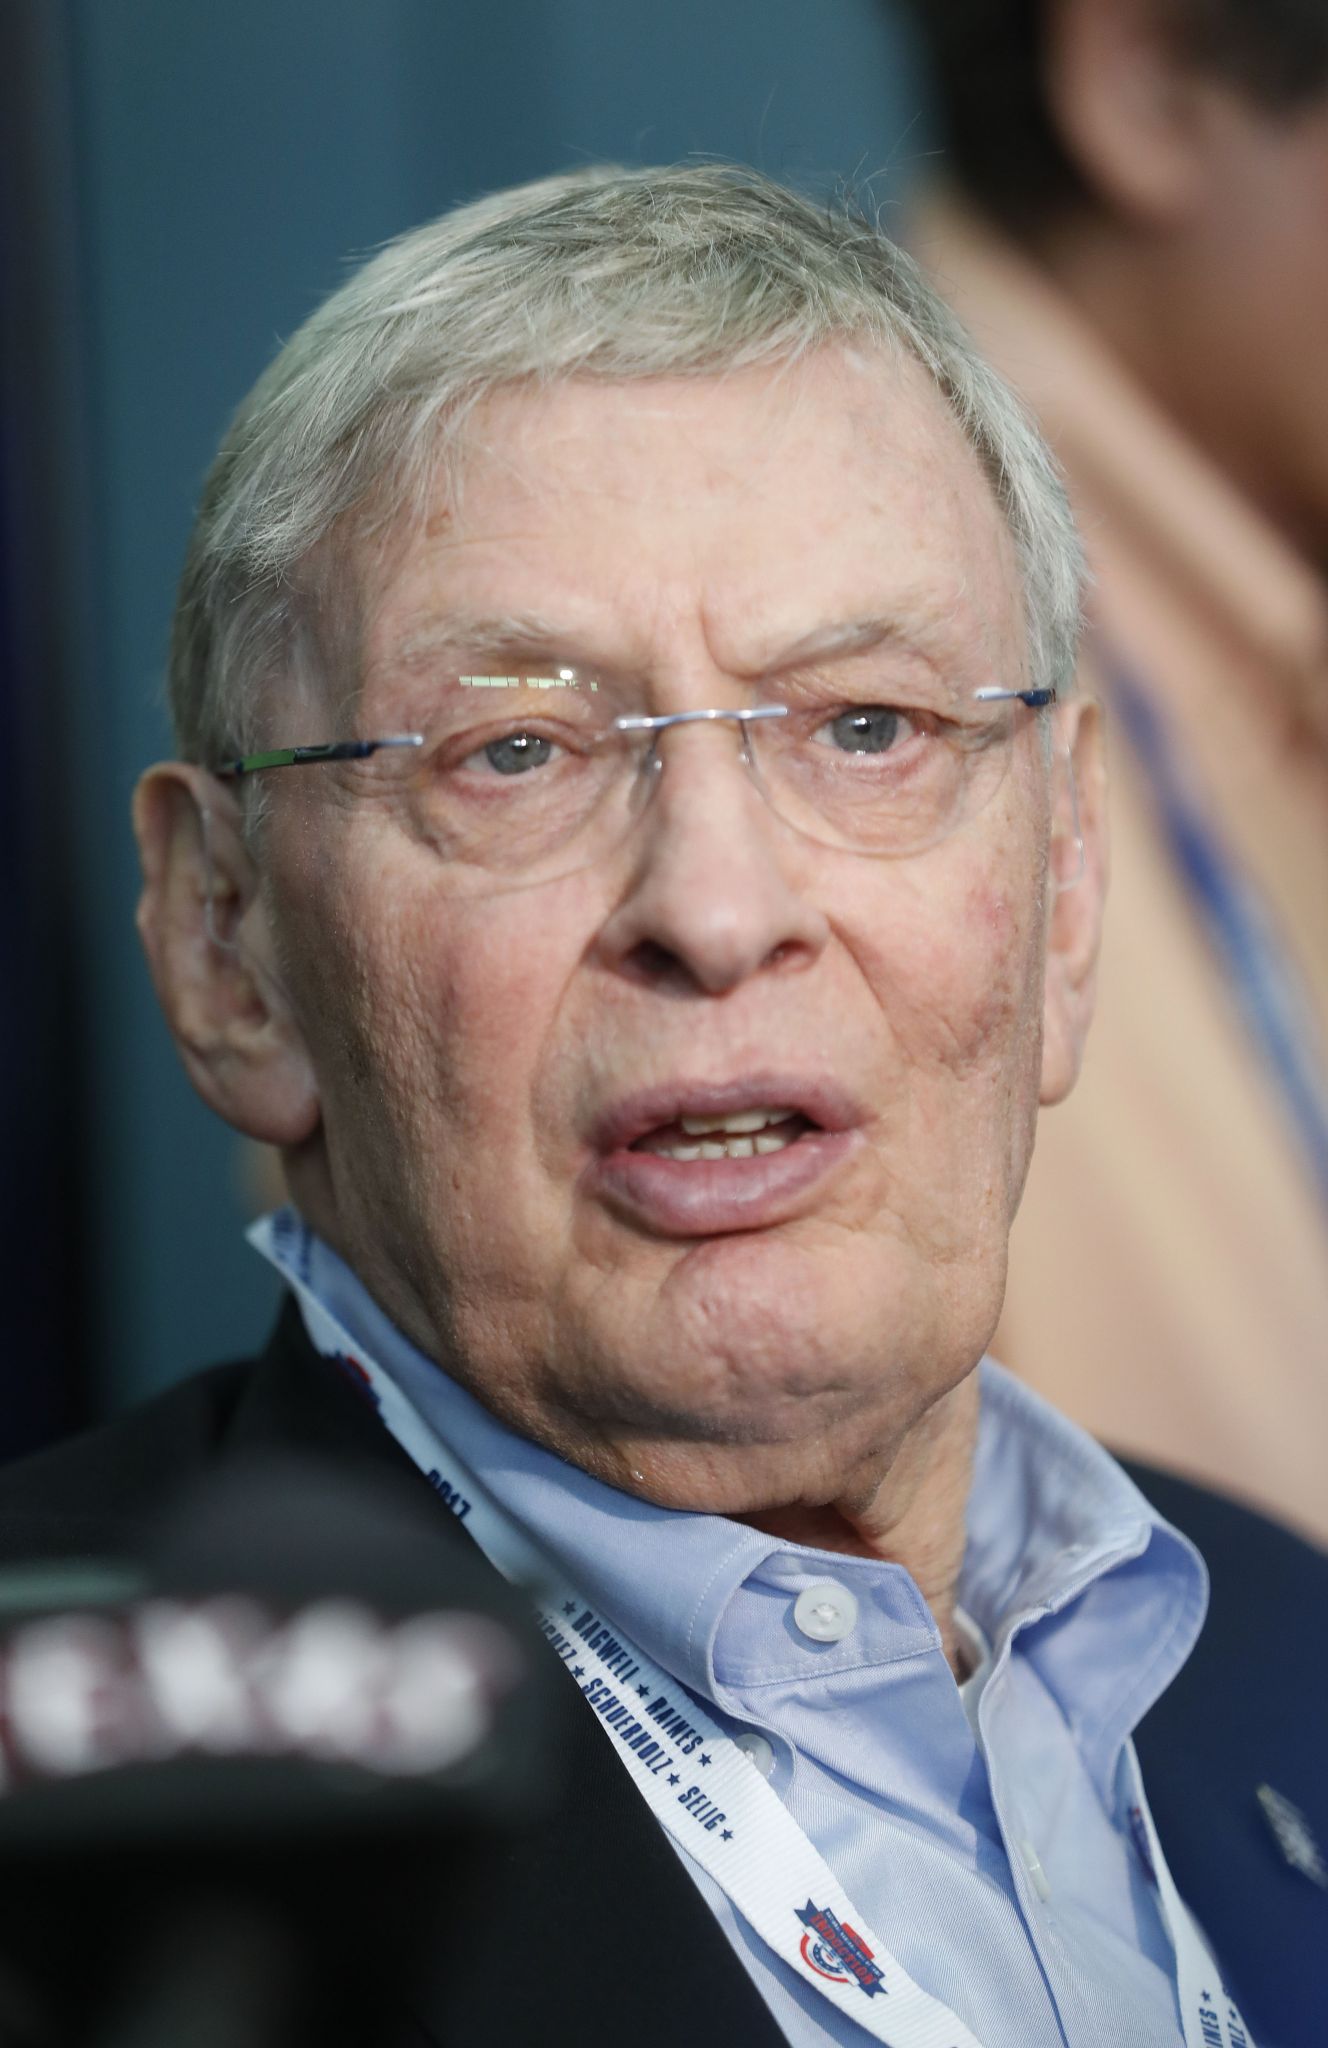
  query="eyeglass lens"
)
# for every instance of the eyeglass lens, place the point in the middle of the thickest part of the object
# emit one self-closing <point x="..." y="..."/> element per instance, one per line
<point x="529" y="776"/>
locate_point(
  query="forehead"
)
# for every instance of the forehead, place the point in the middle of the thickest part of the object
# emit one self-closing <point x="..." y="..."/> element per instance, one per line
<point x="654" y="522"/>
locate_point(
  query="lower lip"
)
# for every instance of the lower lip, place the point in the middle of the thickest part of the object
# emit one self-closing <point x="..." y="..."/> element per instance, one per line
<point x="707" y="1197"/>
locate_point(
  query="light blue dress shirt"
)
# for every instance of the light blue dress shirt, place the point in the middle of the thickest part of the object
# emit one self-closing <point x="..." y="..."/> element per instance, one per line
<point x="982" y="1831"/>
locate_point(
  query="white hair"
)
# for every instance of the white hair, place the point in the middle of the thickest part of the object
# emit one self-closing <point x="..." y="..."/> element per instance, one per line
<point x="611" y="273"/>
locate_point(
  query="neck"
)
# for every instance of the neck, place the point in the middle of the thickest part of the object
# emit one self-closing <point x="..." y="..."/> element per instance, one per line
<point x="913" y="1515"/>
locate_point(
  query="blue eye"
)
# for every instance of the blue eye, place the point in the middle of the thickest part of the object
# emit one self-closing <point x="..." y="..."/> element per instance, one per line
<point x="865" y="729"/>
<point x="518" y="751"/>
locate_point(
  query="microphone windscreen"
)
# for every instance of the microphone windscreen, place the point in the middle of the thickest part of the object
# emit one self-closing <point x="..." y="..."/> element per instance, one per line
<point x="300" y="1713"/>
<point x="304" y="1656"/>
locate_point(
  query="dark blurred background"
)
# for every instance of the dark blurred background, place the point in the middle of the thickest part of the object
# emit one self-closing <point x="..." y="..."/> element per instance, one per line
<point x="179" y="185"/>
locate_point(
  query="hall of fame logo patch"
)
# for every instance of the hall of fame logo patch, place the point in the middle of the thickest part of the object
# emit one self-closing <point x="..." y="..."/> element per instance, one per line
<point x="833" y="1949"/>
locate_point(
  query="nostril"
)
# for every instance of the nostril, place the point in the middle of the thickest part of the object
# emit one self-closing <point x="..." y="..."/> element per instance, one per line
<point x="652" y="957"/>
<point x="651" y="962"/>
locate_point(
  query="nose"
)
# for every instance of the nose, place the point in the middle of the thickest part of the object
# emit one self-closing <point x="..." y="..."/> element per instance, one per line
<point x="712" y="898"/>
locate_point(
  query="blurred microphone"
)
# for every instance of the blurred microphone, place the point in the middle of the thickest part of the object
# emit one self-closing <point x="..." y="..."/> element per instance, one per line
<point x="238" y="1783"/>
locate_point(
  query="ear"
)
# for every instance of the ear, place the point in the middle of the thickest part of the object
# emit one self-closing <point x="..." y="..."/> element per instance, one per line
<point x="1130" y="106"/>
<point x="1078" y="881"/>
<point x="205" y="929"/>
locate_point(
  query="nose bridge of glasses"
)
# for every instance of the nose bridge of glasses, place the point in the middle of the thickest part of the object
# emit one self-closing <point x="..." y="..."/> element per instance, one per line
<point x="649" y="731"/>
<point x="740" y="716"/>
<point x="687" y="758"/>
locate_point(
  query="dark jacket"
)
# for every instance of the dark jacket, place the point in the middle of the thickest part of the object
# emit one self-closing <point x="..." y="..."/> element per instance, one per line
<point x="594" y="1897"/>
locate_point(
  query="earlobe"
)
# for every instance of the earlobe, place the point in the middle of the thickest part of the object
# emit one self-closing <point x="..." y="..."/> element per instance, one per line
<point x="204" y="928"/>
<point x="1077" y="884"/>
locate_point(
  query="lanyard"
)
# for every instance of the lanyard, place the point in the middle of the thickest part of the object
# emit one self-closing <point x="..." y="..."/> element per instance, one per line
<point x="701" y="1787"/>
<point x="1262" y="979"/>
<point x="1208" y="2011"/>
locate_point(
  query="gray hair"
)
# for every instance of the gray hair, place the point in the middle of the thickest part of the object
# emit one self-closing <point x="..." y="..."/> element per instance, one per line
<point x="610" y="273"/>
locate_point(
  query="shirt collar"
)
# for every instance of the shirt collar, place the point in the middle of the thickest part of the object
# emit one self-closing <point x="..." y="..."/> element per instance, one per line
<point x="1067" y="1559"/>
<point x="665" y="1575"/>
<point x="1054" y="1527"/>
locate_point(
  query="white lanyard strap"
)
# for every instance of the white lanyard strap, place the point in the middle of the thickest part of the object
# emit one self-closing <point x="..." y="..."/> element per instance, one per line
<point x="695" y="1779"/>
<point x="1208" y="2012"/>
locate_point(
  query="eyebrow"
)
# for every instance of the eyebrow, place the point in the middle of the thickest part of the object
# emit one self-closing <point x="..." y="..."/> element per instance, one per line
<point x="840" y="642"/>
<point x="481" y="636"/>
<point x="499" y="635"/>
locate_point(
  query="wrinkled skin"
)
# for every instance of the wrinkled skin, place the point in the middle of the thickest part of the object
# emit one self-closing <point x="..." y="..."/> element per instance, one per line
<point x="435" y="1065"/>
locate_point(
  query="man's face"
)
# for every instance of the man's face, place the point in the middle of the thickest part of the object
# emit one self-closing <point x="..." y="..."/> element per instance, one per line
<point x="484" y="1061"/>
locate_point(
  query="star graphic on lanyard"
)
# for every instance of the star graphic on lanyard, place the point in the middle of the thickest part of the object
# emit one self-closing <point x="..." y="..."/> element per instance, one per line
<point x="673" y="1777"/>
<point x="644" y="1691"/>
<point x="569" y="1607"/>
<point x="704" y="1758"/>
<point x="726" y="1834"/>
<point x="578" y="1671"/>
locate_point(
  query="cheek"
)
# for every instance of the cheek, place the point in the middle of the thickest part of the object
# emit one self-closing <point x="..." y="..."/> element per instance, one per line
<point x="958" y="989"/>
<point x="1002" y="941"/>
<point x="439" y="1015"/>
<point x="959" y="985"/>
<point x="456" y="1012"/>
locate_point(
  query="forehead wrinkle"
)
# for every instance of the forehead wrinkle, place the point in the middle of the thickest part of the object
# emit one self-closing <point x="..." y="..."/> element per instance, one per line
<point x="918" y="625"/>
<point x="919" y="632"/>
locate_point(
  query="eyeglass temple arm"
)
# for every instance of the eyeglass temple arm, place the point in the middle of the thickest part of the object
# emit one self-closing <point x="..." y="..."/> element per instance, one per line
<point x="1036" y="700"/>
<point x="301" y="757"/>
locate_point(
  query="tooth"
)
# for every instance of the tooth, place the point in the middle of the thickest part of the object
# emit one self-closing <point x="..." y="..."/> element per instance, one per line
<point x="709" y="1150"/>
<point x="765" y="1143"/>
<point x="742" y="1122"/>
<point x="682" y="1152"/>
<point x="740" y="1148"/>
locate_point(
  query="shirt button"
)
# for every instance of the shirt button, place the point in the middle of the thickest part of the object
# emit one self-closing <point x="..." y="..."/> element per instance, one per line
<point x="1033" y="1865"/>
<point x="757" y="1750"/>
<point x="826" y="1613"/>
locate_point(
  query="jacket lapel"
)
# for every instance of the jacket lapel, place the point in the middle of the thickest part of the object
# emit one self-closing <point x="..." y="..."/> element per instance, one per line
<point x="586" y="1916"/>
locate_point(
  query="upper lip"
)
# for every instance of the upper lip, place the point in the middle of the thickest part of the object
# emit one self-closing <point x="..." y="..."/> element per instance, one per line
<point x="821" y="1102"/>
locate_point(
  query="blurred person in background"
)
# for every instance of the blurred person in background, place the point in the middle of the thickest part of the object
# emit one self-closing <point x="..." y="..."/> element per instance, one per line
<point x="1136" y="233"/>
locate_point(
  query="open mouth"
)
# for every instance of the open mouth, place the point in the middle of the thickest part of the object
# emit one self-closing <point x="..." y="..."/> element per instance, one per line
<point x="739" y="1134"/>
<point x="701" y="1158"/>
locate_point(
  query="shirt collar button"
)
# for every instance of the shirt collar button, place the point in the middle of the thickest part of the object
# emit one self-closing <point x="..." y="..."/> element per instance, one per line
<point x="825" y="1612"/>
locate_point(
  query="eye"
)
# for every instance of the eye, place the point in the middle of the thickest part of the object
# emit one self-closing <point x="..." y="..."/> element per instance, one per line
<point x="864" y="729"/>
<point x="516" y="752"/>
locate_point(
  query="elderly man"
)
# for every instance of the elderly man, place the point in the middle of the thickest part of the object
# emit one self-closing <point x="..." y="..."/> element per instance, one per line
<point x="634" y="852"/>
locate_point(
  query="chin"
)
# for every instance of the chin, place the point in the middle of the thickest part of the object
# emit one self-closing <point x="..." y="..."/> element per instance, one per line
<point x="750" y="1476"/>
<point x="757" y="1380"/>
